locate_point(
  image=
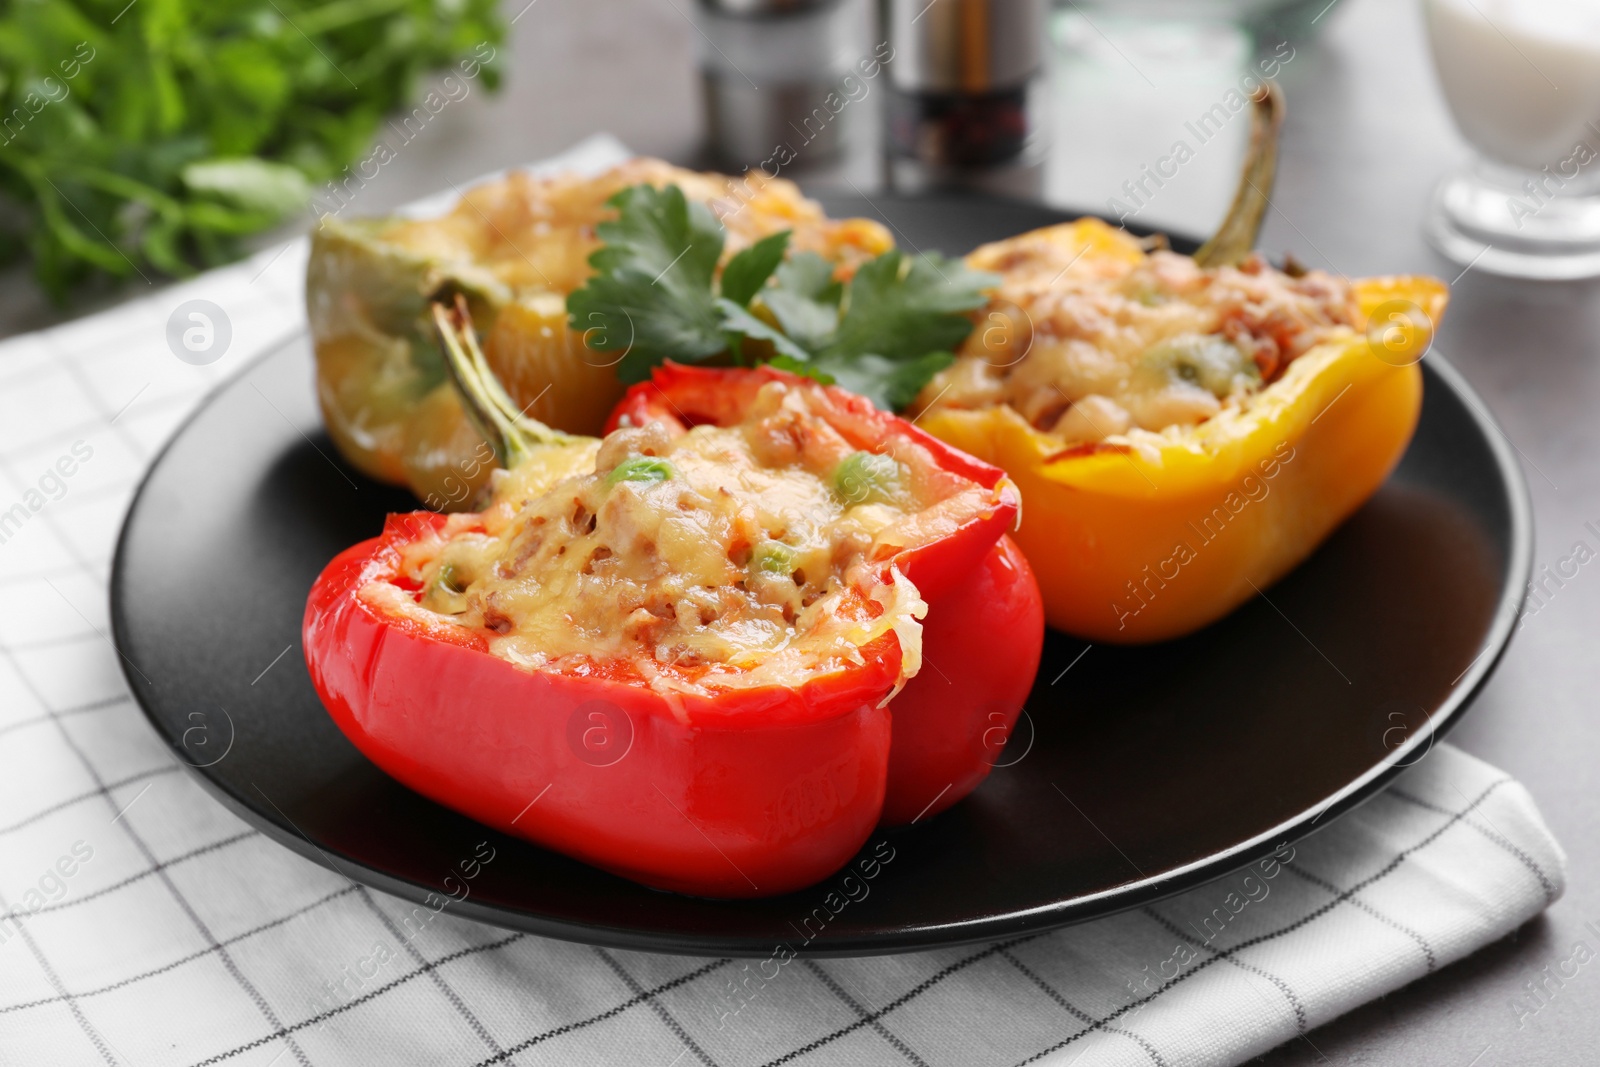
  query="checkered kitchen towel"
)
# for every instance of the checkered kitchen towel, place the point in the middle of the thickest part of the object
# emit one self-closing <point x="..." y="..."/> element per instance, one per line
<point x="142" y="924"/>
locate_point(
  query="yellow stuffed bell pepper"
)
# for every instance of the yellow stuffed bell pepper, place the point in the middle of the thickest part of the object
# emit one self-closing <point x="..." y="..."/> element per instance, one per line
<point x="1135" y="543"/>
<point x="515" y="248"/>
<point x="1140" y="528"/>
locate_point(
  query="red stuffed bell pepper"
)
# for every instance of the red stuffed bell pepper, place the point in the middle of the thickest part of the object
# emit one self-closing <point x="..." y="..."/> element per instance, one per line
<point x="984" y="629"/>
<point x="726" y="793"/>
<point x="666" y="654"/>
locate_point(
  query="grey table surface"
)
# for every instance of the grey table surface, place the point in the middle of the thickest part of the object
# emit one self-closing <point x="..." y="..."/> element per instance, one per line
<point x="1367" y="138"/>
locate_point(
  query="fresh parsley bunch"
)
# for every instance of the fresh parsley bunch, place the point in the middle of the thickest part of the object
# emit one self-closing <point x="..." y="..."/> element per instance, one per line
<point x="142" y="137"/>
<point x="655" y="296"/>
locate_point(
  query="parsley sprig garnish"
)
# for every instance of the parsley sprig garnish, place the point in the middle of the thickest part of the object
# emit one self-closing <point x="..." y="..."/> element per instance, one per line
<point x="655" y="296"/>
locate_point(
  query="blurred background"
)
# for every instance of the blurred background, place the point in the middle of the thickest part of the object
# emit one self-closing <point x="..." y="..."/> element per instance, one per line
<point x="183" y="134"/>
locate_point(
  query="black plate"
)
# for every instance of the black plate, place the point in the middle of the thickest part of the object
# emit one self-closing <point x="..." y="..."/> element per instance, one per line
<point x="1193" y="757"/>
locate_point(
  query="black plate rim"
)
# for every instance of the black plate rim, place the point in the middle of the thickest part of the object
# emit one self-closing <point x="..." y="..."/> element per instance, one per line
<point x="1517" y="570"/>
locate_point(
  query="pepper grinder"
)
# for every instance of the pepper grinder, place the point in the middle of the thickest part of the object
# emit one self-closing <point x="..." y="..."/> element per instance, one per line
<point x="773" y="72"/>
<point x="966" y="88"/>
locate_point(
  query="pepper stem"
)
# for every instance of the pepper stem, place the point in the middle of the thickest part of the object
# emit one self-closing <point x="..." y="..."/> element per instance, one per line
<point x="512" y="434"/>
<point x="1236" y="237"/>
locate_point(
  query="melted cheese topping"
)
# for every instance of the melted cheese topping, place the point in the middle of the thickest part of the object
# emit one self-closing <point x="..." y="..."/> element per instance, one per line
<point x="535" y="234"/>
<point x="1091" y="336"/>
<point x="722" y="557"/>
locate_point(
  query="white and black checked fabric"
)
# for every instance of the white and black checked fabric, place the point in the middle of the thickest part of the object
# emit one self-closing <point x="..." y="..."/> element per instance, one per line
<point x="142" y="924"/>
